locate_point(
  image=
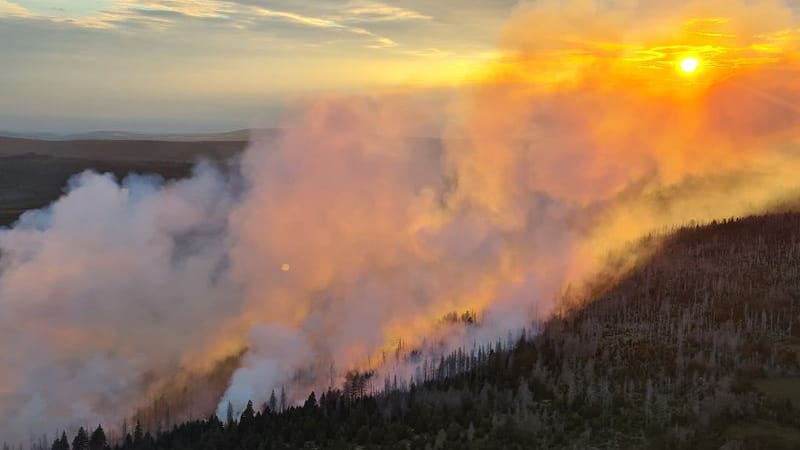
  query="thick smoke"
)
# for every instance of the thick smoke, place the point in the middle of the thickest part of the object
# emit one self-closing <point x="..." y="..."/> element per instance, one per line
<point x="318" y="251"/>
<point x="108" y="290"/>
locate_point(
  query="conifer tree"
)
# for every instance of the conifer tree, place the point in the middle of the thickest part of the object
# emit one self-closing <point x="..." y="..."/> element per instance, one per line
<point x="311" y="402"/>
<point x="98" y="439"/>
<point x="273" y="402"/>
<point x="229" y="420"/>
<point x="62" y="443"/>
<point x="283" y="399"/>
<point x="248" y="416"/>
<point x="138" y="435"/>
<point x="81" y="441"/>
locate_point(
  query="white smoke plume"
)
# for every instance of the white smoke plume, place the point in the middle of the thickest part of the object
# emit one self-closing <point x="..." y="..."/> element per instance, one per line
<point x="325" y="247"/>
<point x="111" y="286"/>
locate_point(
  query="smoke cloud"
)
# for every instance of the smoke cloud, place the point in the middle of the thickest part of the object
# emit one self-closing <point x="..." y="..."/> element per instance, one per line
<point x="317" y="252"/>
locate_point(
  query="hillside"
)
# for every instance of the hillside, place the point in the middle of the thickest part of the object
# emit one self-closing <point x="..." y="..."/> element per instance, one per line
<point x="696" y="348"/>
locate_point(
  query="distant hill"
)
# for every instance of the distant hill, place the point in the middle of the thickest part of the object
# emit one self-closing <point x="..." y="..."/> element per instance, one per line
<point x="122" y="150"/>
<point x="236" y="135"/>
<point x="102" y="135"/>
<point x="35" y="172"/>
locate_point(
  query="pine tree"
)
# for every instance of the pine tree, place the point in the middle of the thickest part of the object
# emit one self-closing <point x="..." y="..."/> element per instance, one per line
<point x="98" y="439"/>
<point x="148" y="443"/>
<point x="128" y="442"/>
<point x="229" y="420"/>
<point x="138" y="435"/>
<point x="283" y="399"/>
<point x="81" y="441"/>
<point x="248" y="416"/>
<point x="273" y="402"/>
<point x="311" y="402"/>
<point x="62" y="443"/>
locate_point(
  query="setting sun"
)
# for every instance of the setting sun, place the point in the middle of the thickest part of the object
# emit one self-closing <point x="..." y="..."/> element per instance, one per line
<point x="690" y="65"/>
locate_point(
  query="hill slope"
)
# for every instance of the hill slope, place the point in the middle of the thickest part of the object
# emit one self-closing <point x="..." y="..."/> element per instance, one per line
<point x="696" y="348"/>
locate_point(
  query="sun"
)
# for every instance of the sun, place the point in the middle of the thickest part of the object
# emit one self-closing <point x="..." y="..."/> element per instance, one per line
<point x="690" y="65"/>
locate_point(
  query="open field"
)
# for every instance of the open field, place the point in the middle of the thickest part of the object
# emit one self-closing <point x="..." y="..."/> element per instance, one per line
<point x="33" y="173"/>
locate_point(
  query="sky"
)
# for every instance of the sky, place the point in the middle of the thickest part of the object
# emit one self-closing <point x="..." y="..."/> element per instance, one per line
<point x="206" y="65"/>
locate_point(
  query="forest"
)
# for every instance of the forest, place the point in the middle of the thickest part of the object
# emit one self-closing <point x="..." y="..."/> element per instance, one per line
<point x="694" y="348"/>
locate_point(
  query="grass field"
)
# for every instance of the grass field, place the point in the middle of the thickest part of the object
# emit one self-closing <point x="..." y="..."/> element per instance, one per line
<point x="34" y="173"/>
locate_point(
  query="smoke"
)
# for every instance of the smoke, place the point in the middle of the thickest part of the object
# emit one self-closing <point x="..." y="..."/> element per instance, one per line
<point x="105" y="291"/>
<point x="319" y="251"/>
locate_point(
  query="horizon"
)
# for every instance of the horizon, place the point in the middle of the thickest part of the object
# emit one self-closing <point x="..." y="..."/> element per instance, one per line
<point x="143" y="132"/>
<point x="196" y="66"/>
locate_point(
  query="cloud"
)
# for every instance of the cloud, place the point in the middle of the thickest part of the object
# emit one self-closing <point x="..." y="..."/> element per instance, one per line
<point x="109" y="16"/>
<point x="430" y="53"/>
<point x="169" y="14"/>
<point x="11" y="9"/>
<point x="299" y="18"/>
<point x="326" y="23"/>
<point x="378" y="12"/>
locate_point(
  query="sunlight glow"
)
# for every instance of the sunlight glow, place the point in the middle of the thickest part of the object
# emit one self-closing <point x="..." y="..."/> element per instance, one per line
<point x="690" y="65"/>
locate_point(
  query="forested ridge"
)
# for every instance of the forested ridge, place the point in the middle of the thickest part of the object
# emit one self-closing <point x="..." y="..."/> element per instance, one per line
<point x="698" y="347"/>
